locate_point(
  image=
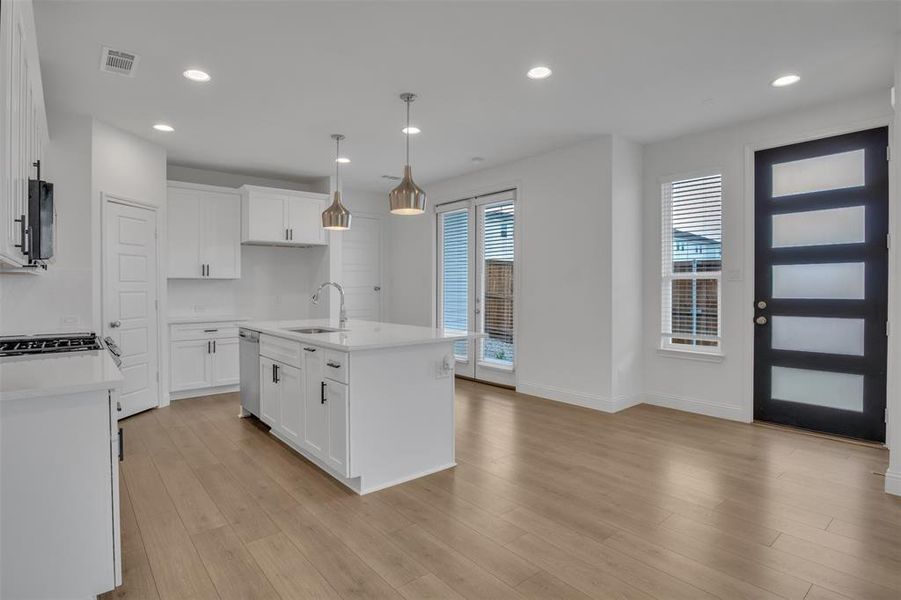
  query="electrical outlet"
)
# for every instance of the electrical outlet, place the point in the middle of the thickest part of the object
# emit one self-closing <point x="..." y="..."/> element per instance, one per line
<point x="445" y="368"/>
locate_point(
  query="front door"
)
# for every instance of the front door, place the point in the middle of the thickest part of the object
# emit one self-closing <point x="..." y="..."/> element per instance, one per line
<point x="821" y="279"/>
<point x="130" y="301"/>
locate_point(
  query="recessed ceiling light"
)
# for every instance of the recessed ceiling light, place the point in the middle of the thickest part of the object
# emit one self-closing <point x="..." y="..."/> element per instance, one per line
<point x="342" y="159"/>
<point x="539" y="72"/>
<point x="411" y="130"/>
<point x="785" y="80"/>
<point x="197" y="75"/>
<point x="164" y="127"/>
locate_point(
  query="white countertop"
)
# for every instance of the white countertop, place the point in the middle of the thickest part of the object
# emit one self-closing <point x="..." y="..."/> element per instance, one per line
<point x="200" y="318"/>
<point x="357" y="335"/>
<point x="56" y="374"/>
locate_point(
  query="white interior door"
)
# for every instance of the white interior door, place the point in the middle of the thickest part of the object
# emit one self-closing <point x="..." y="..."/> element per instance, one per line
<point x="362" y="265"/>
<point x="130" y="300"/>
<point x="476" y="258"/>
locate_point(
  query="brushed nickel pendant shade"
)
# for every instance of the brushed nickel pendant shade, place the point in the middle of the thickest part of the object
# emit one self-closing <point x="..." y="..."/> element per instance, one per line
<point x="407" y="198"/>
<point x="336" y="217"/>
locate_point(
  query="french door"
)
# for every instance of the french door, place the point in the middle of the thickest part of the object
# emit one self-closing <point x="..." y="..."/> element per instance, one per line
<point x="476" y="262"/>
<point x="821" y="279"/>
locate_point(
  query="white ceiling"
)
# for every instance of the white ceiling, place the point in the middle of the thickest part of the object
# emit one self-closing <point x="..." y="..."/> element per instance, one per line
<point x="288" y="74"/>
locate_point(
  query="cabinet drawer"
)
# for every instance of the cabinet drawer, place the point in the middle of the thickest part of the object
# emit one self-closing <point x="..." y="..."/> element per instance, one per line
<point x="336" y="365"/>
<point x="203" y="331"/>
<point x="285" y="351"/>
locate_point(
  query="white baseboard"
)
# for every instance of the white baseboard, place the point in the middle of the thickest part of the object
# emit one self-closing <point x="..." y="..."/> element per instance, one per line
<point x="601" y="403"/>
<point x="224" y="389"/>
<point x="693" y="405"/>
<point x="893" y="483"/>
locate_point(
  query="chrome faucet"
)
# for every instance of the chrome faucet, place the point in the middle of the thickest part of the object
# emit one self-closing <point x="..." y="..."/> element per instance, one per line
<point x="342" y="319"/>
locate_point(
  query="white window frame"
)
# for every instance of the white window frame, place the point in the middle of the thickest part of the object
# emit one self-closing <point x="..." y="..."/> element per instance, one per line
<point x="667" y="276"/>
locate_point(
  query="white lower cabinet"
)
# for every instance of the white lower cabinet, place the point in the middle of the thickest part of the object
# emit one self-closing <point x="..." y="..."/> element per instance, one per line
<point x="336" y="401"/>
<point x="203" y="356"/>
<point x="301" y="404"/>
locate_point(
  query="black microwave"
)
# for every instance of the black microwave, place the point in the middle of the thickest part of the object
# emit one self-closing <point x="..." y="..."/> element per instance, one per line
<point x="40" y="219"/>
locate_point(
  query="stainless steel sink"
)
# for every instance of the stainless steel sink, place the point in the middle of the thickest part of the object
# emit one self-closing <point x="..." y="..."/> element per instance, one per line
<point x="314" y="330"/>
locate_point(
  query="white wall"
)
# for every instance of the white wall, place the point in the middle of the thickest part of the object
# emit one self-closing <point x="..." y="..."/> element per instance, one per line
<point x="626" y="279"/>
<point x="893" y="422"/>
<point x="59" y="299"/>
<point x="724" y="388"/>
<point x="564" y="301"/>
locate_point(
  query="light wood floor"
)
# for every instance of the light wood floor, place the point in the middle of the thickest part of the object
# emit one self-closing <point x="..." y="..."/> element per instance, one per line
<point x="548" y="501"/>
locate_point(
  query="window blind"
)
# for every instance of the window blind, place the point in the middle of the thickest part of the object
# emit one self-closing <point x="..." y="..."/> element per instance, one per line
<point x="455" y="270"/>
<point x="691" y="252"/>
<point x="497" y="224"/>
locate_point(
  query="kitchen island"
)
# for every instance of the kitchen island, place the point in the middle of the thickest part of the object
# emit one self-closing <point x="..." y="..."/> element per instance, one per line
<point x="370" y="403"/>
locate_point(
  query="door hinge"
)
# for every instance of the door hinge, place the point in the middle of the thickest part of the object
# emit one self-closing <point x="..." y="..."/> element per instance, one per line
<point x="887" y="328"/>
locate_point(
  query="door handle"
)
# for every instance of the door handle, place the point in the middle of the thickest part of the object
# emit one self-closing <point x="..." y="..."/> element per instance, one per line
<point x="116" y="323"/>
<point x="322" y="391"/>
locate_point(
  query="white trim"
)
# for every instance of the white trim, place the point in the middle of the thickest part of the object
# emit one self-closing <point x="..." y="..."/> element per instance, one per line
<point x="715" y="357"/>
<point x="162" y="387"/>
<point x="203" y="187"/>
<point x="748" y="248"/>
<point x="697" y="406"/>
<point x="368" y="490"/>
<point x="577" y="398"/>
<point x="199" y="392"/>
<point x="892" y="483"/>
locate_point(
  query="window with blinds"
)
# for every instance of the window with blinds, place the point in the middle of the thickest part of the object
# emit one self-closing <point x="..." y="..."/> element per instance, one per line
<point x="496" y="226"/>
<point x="691" y="269"/>
<point x="455" y="275"/>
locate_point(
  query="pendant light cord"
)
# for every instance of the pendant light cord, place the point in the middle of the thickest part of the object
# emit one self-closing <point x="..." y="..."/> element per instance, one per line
<point x="408" y="131"/>
<point x="337" y="164"/>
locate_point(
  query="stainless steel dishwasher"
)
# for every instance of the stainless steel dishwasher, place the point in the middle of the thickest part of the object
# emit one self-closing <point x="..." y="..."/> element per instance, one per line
<point x="250" y="371"/>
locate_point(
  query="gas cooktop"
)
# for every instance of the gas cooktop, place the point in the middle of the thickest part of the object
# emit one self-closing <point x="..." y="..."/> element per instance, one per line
<point x="46" y="344"/>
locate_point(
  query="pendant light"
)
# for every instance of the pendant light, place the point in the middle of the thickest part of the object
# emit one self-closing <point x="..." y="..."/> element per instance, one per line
<point x="336" y="217"/>
<point x="407" y="198"/>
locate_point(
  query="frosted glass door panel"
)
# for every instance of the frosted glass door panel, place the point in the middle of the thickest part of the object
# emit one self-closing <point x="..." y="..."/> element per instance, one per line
<point x="820" y="173"/>
<point x="819" y="334"/>
<point x="832" y="281"/>
<point x="820" y="388"/>
<point x="820" y="227"/>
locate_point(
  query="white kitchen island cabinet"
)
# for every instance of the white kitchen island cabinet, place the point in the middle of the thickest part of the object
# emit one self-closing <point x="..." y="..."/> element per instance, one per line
<point x="372" y="404"/>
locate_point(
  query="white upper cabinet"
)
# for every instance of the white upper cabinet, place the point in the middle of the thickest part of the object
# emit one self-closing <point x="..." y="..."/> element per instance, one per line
<point x="204" y="232"/>
<point x="23" y="125"/>
<point x="282" y="217"/>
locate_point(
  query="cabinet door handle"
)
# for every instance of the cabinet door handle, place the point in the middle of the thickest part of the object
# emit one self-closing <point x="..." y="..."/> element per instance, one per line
<point x="118" y="406"/>
<point x="277" y="378"/>
<point x="286" y="235"/>
<point x="322" y="391"/>
<point x="214" y="346"/>
<point x="210" y="330"/>
<point x="292" y="234"/>
<point x="273" y="373"/>
<point x="333" y="365"/>
<point x="23" y="234"/>
<point x="310" y="349"/>
<point x="121" y="445"/>
<point x="209" y="346"/>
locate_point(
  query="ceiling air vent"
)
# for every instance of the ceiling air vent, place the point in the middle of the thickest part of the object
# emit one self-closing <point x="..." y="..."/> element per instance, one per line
<point x="118" y="62"/>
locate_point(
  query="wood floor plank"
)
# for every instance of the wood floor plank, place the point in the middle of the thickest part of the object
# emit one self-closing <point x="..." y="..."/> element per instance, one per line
<point x="338" y="564"/>
<point x="429" y="587"/>
<point x="247" y="518"/>
<point x="547" y="501"/>
<point x="233" y="570"/>
<point x="460" y="573"/>
<point x="289" y="572"/>
<point x="543" y="585"/>
<point x="177" y="569"/>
